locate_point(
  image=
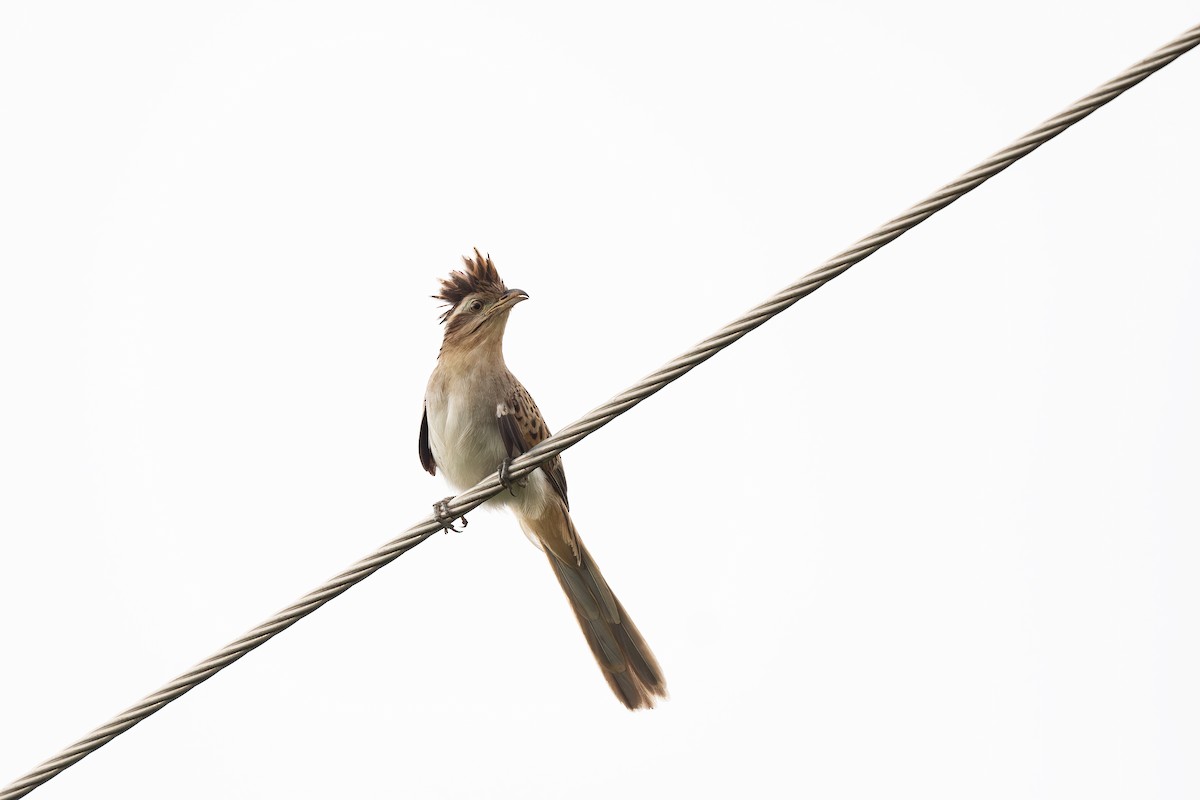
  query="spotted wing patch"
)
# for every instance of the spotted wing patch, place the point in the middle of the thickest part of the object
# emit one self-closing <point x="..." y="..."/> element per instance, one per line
<point x="522" y="427"/>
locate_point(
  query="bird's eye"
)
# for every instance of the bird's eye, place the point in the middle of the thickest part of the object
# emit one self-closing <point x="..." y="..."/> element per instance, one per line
<point x="475" y="306"/>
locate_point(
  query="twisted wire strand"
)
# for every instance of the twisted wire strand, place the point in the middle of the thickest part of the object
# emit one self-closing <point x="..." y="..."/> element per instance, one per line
<point x="602" y="415"/>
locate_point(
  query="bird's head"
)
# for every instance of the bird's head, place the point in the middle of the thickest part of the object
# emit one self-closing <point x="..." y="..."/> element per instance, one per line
<point x="478" y="304"/>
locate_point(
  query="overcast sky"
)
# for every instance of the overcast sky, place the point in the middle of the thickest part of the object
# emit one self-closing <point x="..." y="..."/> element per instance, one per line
<point x="932" y="533"/>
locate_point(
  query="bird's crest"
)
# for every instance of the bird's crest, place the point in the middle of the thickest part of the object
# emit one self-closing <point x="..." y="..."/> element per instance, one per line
<point x="480" y="276"/>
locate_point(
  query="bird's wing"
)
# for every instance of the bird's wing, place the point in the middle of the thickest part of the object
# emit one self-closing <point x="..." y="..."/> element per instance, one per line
<point x="521" y="427"/>
<point x="423" y="445"/>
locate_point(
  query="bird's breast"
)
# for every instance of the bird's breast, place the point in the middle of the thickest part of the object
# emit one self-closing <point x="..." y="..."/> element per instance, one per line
<point x="464" y="436"/>
<point x="463" y="433"/>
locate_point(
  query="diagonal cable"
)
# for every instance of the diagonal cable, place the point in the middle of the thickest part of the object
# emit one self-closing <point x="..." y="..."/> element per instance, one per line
<point x="606" y="413"/>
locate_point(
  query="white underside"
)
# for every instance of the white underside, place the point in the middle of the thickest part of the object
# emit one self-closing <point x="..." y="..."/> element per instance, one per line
<point x="464" y="437"/>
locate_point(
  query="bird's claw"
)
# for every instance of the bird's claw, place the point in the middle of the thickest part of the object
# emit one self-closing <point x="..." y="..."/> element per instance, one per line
<point x="441" y="513"/>
<point x="506" y="480"/>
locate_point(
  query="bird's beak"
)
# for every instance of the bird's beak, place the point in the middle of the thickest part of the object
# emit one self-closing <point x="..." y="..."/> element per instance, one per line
<point x="511" y="298"/>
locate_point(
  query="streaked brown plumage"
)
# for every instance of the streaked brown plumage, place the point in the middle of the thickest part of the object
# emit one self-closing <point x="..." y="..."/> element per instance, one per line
<point x="476" y="415"/>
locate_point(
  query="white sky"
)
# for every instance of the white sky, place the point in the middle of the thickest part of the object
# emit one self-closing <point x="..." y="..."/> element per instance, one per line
<point x="930" y="534"/>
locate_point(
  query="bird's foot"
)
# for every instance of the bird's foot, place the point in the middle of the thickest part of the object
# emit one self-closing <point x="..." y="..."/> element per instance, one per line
<point x="441" y="513"/>
<point x="506" y="480"/>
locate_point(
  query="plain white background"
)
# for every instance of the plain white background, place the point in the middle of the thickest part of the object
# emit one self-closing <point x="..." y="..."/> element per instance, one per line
<point x="932" y="533"/>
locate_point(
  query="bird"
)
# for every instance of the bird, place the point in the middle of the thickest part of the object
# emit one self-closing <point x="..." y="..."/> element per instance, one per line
<point x="477" y="418"/>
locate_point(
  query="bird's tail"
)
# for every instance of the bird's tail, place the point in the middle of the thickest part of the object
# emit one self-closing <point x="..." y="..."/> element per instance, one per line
<point x="623" y="655"/>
